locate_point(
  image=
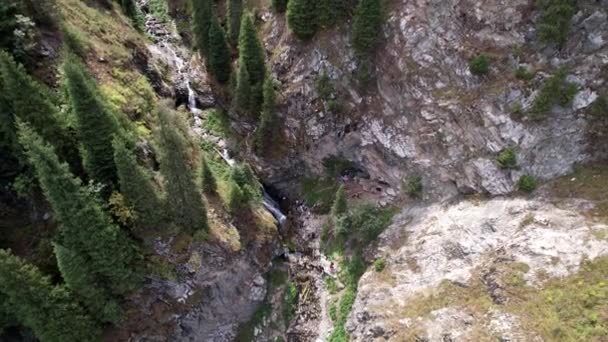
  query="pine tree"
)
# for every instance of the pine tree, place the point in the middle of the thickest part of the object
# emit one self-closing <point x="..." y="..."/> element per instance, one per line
<point x="367" y="26"/>
<point x="85" y="228"/>
<point x="279" y="6"/>
<point x="29" y="101"/>
<point x="236" y="197"/>
<point x="234" y="12"/>
<point x="50" y="311"/>
<point x="251" y="53"/>
<point x="242" y="97"/>
<point x="130" y="9"/>
<point x="209" y="184"/>
<point x="202" y="12"/>
<point x="267" y="127"/>
<point x="340" y="205"/>
<point x="83" y="281"/>
<point x="327" y="13"/>
<point x="183" y="198"/>
<point x="219" y="55"/>
<point x="96" y="124"/>
<point x="302" y="18"/>
<point x="136" y="185"/>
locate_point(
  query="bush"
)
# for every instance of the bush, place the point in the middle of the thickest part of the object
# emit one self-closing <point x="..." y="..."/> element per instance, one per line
<point x="412" y="186"/>
<point x="324" y="86"/>
<point x="526" y="183"/>
<point x="379" y="265"/>
<point x="479" y="65"/>
<point x="599" y="108"/>
<point x="554" y="24"/>
<point x="524" y="74"/>
<point x="555" y="91"/>
<point x="507" y="159"/>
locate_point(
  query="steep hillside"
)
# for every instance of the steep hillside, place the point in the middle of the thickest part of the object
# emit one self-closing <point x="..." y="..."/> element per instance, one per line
<point x="352" y="170"/>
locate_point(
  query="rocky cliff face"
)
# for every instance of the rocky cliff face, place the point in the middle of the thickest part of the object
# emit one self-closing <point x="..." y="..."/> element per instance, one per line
<point x="425" y="113"/>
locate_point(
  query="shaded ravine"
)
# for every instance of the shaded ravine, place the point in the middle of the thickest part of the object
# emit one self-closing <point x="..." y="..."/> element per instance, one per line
<point x="305" y="264"/>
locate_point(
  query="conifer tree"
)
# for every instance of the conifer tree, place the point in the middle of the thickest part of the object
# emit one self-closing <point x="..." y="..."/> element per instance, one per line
<point x="236" y="197"/>
<point x="234" y="12"/>
<point x="183" y="198"/>
<point x="29" y="101"/>
<point x="50" y="311"/>
<point x="209" y="184"/>
<point x="251" y="53"/>
<point x="130" y="9"/>
<point x="242" y="97"/>
<point x="367" y="26"/>
<point x="279" y="6"/>
<point x="85" y="228"/>
<point x="136" y="185"/>
<point x="96" y="124"/>
<point x="202" y="12"/>
<point x="302" y="18"/>
<point x="340" y="204"/>
<point x="267" y="127"/>
<point x="83" y="281"/>
<point x="219" y="55"/>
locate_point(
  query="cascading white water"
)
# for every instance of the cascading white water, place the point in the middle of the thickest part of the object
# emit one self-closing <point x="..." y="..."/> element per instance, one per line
<point x="269" y="203"/>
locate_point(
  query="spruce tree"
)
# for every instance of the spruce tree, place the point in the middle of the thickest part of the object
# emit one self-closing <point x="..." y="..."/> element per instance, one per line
<point x="279" y="6"/>
<point x="251" y="53"/>
<point x="50" y="311"/>
<point x="29" y="101"/>
<point x="130" y="9"/>
<point x="236" y="197"/>
<point x="219" y="55"/>
<point x="367" y="26"/>
<point x="266" y="130"/>
<point x="96" y="124"/>
<point x="234" y="12"/>
<point x="340" y="204"/>
<point x="183" y="198"/>
<point x="242" y="97"/>
<point x="84" y="226"/>
<point x="202" y="12"/>
<point x="209" y="184"/>
<point x="83" y="281"/>
<point x="137" y="186"/>
<point x="302" y="18"/>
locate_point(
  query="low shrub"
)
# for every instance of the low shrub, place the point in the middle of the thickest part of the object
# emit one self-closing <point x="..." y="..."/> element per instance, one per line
<point x="379" y="265"/>
<point x="507" y="159"/>
<point x="412" y="186"/>
<point x="524" y="74"/>
<point x="479" y="65"/>
<point x="526" y="183"/>
<point x="555" y="91"/>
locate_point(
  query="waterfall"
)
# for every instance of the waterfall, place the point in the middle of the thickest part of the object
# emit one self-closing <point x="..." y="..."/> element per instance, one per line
<point x="269" y="203"/>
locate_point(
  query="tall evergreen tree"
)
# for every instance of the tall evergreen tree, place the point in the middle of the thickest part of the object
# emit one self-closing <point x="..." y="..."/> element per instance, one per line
<point x="8" y="23"/>
<point x="242" y="97"/>
<point x="209" y="184"/>
<point x="85" y="228"/>
<point x="251" y="53"/>
<point x="50" y="311"/>
<point x="234" y="12"/>
<point x="82" y="280"/>
<point x="302" y="18"/>
<point x="96" y="124"/>
<point x="219" y="55"/>
<point x="29" y="101"/>
<point x="367" y="26"/>
<point x="266" y="130"/>
<point x="279" y="6"/>
<point x="136" y="185"/>
<point x="183" y="198"/>
<point x="236" y="197"/>
<point x="340" y="203"/>
<point x="202" y="12"/>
